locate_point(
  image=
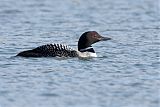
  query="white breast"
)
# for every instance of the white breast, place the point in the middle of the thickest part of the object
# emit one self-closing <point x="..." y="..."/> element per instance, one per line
<point x="86" y="54"/>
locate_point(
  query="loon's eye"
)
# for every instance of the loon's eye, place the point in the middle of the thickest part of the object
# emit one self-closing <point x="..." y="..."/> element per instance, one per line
<point x="94" y="36"/>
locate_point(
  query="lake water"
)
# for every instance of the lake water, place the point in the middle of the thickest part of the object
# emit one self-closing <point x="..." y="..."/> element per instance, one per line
<point x="125" y="74"/>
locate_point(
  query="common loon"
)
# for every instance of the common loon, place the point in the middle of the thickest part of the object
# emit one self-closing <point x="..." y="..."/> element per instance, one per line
<point x="51" y="50"/>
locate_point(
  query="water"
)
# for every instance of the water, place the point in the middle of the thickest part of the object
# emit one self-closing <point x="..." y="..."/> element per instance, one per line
<point x="126" y="73"/>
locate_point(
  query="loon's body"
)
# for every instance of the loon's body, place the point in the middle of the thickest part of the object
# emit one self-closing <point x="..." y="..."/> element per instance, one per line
<point x="52" y="50"/>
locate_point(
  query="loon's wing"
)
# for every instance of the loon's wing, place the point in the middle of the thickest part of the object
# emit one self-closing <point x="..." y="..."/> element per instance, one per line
<point x="50" y="50"/>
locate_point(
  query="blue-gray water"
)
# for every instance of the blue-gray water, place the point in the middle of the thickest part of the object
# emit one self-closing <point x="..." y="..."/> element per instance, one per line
<point x="126" y="73"/>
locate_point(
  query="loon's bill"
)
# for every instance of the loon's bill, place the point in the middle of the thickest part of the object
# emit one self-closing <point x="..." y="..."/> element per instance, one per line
<point x="52" y="50"/>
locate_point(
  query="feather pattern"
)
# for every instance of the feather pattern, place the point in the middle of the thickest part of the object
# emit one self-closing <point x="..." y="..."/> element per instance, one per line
<point x="50" y="50"/>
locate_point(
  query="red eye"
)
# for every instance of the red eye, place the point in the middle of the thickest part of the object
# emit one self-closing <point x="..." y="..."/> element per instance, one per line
<point x="94" y="36"/>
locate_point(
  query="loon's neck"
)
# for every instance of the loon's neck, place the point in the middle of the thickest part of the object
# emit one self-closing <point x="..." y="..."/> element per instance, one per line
<point x="87" y="52"/>
<point x="88" y="49"/>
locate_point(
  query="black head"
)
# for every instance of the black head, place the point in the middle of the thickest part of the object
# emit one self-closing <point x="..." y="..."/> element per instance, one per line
<point x="89" y="38"/>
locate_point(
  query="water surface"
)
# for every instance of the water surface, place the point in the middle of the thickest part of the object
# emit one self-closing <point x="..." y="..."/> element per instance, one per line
<point x="126" y="73"/>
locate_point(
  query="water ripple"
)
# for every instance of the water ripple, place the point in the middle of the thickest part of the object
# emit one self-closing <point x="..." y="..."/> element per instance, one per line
<point x="126" y="70"/>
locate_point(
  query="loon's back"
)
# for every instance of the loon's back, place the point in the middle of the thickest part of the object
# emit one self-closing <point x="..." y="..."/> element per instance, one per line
<point x="50" y="50"/>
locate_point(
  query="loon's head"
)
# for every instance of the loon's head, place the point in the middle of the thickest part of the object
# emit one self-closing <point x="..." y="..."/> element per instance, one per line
<point x="89" y="38"/>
